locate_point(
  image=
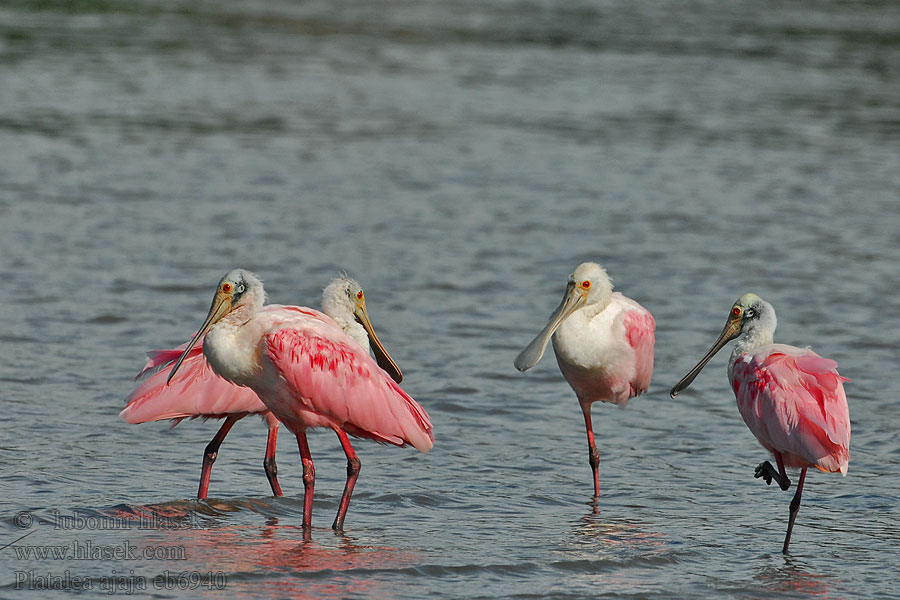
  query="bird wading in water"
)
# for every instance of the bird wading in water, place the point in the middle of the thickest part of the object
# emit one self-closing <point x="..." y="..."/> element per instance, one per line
<point x="603" y="343"/>
<point x="198" y="392"/>
<point x="310" y="374"/>
<point x="791" y="398"/>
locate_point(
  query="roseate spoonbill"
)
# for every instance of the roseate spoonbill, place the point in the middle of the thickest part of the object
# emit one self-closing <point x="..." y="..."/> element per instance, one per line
<point x="198" y="392"/>
<point x="309" y="373"/>
<point x="603" y="343"/>
<point x="791" y="398"/>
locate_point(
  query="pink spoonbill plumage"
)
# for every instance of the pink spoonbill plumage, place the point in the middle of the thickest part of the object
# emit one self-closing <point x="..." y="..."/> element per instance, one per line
<point x="198" y="392"/>
<point x="603" y="343"/>
<point x="791" y="398"/>
<point x="309" y="374"/>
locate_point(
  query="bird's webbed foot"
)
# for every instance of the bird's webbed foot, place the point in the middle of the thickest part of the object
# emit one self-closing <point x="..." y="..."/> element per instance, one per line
<point x="770" y="473"/>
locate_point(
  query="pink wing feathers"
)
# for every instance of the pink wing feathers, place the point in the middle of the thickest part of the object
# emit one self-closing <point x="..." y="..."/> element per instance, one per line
<point x="195" y="391"/>
<point x="160" y="358"/>
<point x="336" y="379"/>
<point x="793" y="401"/>
<point x="639" y="328"/>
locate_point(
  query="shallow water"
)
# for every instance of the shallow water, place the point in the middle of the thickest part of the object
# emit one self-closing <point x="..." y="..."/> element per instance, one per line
<point x="460" y="159"/>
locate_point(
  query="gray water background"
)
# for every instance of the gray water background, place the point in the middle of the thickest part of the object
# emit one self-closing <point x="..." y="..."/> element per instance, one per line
<point x="459" y="158"/>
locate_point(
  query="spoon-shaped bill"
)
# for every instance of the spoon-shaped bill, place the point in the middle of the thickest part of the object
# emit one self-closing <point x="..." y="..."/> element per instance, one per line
<point x="221" y="304"/>
<point x="572" y="301"/>
<point x="732" y="330"/>
<point x="382" y="357"/>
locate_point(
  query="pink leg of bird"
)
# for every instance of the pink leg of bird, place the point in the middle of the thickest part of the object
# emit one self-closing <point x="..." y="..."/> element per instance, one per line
<point x="594" y="456"/>
<point x="309" y="478"/>
<point x="768" y="472"/>
<point x="795" y="507"/>
<point x="212" y="451"/>
<point x="269" y="462"/>
<point x="353" y="467"/>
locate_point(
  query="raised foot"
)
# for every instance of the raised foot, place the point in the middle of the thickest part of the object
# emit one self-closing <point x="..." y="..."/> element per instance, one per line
<point x="770" y="473"/>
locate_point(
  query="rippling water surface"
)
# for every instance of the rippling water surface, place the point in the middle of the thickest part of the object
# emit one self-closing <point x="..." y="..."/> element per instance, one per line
<point x="459" y="158"/>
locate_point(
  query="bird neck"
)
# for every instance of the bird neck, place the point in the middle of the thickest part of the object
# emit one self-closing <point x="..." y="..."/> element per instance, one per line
<point x="354" y="329"/>
<point x="230" y="346"/>
<point x="597" y="304"/>
<point x="749" y="341"/>
<point x="241" y="314"/>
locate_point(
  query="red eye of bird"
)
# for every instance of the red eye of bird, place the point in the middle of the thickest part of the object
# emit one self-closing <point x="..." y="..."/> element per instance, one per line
<point x="226" y="287"/>
<point x="736" y="311"/>
<point x="585" y="284"/>
<point x="359" y="295"/>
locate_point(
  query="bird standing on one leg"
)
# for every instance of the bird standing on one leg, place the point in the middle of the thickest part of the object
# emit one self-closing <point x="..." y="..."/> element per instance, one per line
<point x="791" y="398"/>
<point x="603" y="343"/>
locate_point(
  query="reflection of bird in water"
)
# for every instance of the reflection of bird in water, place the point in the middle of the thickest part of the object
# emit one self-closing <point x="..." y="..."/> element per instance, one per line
<point x="603" y="343"/>
<point x="791" y="398"/>
<point x="198" y="392"/>
<point x="619" y="531"/>
<point x="600" y="541"/>
<point x="789" y="578"/>
<point x="265" y="560"/>
<point x="310" y="374"/>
